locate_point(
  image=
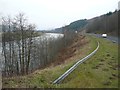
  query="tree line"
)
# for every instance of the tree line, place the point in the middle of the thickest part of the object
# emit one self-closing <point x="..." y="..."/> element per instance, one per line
<point x="17" y="37"/>
<point x="107" y="23"/>
<point x="23" y="52"/>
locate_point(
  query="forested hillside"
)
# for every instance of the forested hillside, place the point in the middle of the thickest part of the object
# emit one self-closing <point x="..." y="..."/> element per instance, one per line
<point x="77" y="25"/>
<point x="73" y="26"/>
<point x="107" y="23"/>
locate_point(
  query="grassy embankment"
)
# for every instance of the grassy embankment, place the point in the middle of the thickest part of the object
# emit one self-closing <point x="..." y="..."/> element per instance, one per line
<point x="98" y="71"/>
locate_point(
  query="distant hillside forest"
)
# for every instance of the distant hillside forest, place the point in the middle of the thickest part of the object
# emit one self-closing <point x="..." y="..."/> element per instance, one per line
<point x="77" y="25"/>
<point x="107" y="23"/>
<point x="74" y="26"/>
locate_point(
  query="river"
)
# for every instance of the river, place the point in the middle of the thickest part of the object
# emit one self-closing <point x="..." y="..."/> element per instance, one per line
<point x="45" y="36"/>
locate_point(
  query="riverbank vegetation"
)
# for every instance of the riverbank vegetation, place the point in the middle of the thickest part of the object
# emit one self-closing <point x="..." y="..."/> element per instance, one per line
<point x="24" y="50"/>
<point x="17" y="37"/>
<point x="43" y="78"/>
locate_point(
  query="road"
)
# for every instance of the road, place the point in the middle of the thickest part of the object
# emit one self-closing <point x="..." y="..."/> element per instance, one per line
<point x="111" y="38"/>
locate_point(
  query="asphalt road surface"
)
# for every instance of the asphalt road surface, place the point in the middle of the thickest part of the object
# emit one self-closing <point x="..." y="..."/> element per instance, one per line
<point x="111" y="38"/>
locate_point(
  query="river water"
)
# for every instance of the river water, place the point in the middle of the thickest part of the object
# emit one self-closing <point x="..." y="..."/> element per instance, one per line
<point x="50" y="35"/>
<point x="45" y="36"/>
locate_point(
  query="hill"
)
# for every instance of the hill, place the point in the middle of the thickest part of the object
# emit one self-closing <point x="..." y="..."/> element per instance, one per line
<point x="77" y="25"/>
<point x="73" y="26"/>
<point x="106" y="23"/>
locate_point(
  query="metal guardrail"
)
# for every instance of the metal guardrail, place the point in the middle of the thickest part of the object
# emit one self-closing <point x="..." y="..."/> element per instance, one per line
<point x="63" y="76"/>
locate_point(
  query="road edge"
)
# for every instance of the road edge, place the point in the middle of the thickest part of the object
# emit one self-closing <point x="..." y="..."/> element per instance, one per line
<point x="64" y="75"/>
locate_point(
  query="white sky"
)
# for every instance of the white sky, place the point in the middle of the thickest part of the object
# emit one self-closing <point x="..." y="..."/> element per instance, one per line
<point x="49" y="14"/>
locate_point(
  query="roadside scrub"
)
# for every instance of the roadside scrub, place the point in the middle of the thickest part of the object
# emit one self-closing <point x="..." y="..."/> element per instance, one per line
<point x="78" y="78"/>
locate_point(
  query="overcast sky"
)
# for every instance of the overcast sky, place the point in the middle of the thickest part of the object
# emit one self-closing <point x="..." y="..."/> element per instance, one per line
<point x="49" y="14"/>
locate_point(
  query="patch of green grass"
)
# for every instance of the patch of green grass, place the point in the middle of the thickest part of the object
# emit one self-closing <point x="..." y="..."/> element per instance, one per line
<point x="100" y="71"/>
